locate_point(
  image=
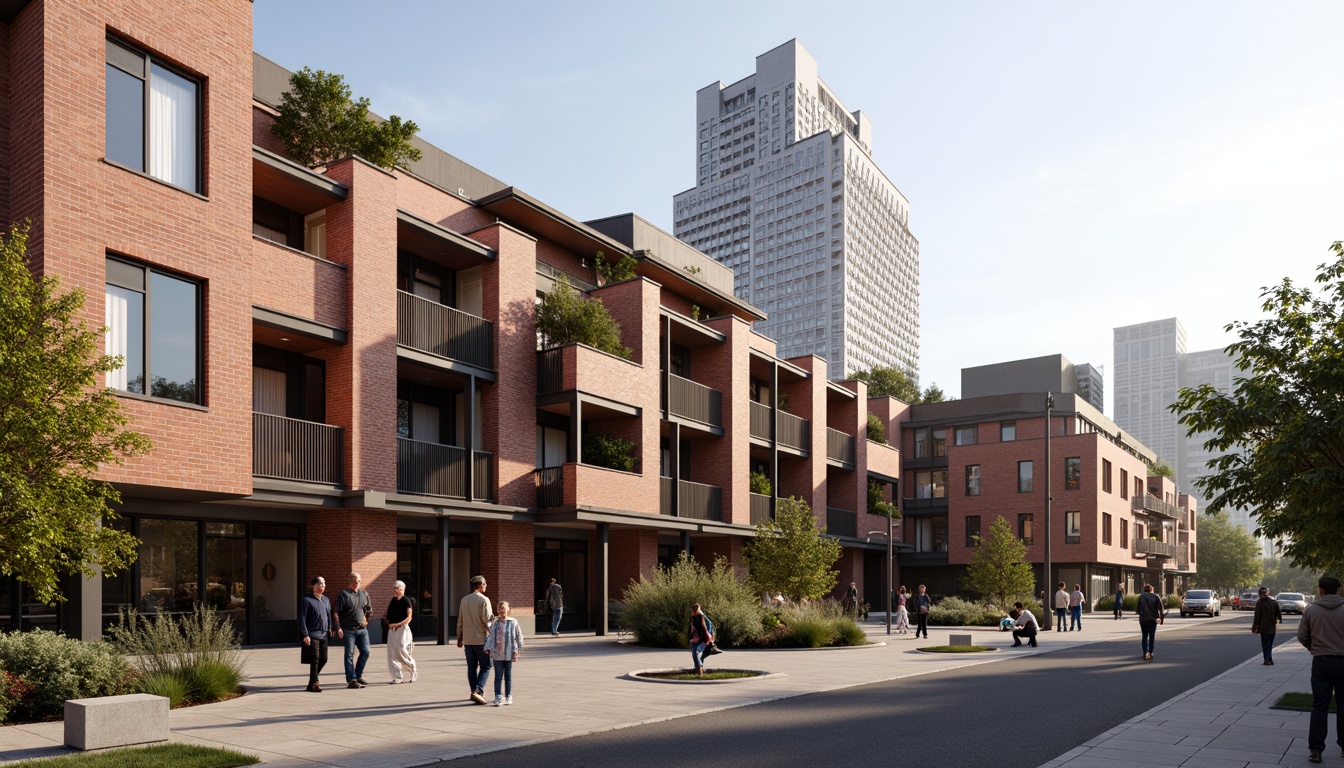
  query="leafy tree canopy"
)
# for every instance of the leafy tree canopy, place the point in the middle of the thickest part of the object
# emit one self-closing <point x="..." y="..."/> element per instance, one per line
<point x="1280" y="431"/>
<point x="57" y="426"/>
<point x="876" y="431"/>
<point x="1228" y="557"/>
<point x="791" y="555"/>
<point x="998" y="568"/>
<point x="877" y="501"/>
<point x="1162" y="469"/>
<point x="319" y="122"/>
<point x="890" y="382"/>
<point x="1283" y="576"/>
<point x="566" y="317"/>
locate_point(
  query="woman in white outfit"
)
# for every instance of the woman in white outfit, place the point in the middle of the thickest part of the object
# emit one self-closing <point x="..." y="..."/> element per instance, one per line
<point x="902" y="615"/>
<point x="400" y="663"/>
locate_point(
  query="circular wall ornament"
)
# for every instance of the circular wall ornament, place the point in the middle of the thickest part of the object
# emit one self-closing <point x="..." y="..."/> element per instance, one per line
<point x="268" y="572"/>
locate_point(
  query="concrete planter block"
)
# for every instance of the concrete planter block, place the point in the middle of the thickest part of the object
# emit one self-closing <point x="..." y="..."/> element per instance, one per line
<point x="959" y="640"/>
<point x="116" y="721"/>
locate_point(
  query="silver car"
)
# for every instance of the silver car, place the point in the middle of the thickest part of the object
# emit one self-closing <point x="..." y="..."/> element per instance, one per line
<point x="1292" y="602"/>
<point x="1201" y="601"/>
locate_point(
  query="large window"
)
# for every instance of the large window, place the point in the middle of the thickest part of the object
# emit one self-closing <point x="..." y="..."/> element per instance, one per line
<point x="153" y="321"/>
<point x="1026" y="528"/>
<point x="921" y="444"/>
<point x="1007" y="431"/>
<point x="972" y="530"/>
<point x="964" y="436"/>
<point x="1073" y="473"/>
<point x="1073" y="531"/>
<point x="1024" y="476"/>
<point x="972" y="479"/>
<point x="1105" y="476"/>
<point x="153" y="118"/>
<point x="939" y="443"/>
<point x="931" y="484"/>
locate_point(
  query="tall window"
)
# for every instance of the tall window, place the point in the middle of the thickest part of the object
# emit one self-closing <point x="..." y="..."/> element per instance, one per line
<point x="153" y="118"/>
<point x="1026" y="528"/>
<point x="972" y="530"/>
<point x="1073" y="530"/>
<point x="939" y="443"/>
<point x="931" y="484"/>
<point x="964" y="436"/>
<point x="1124" y="484"/>
<point x="1024" y="470"/>
<point x="1105" y="528"/>
<point x="1073" y="473"/>
<point x="972" y="479"/>
<point x="1124" y="533"/>
<point x="1008" y="431"/>
<point x="1105" y="475"/>
<point x="921" y="443"/>
<point x="153" y="321"/>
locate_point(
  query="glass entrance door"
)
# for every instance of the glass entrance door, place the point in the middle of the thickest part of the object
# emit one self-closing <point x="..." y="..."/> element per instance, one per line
<point x="567" y="563"/>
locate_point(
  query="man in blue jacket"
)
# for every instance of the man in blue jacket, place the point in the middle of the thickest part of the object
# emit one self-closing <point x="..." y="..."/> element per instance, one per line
<point x="315" y="628"/>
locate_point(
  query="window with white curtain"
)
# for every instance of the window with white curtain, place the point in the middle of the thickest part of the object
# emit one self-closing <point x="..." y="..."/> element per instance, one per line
<point x="153" y="324"/>
<point x="153" y="117"/>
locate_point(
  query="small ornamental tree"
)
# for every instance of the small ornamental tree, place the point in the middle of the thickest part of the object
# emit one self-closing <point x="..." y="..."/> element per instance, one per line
<point x="1162" y="469"/>
<point x="876" y="432"/>
<point x="615" y="272"/>
<point x="566" y="317"/>
<point x="877" y="502"/>
<point x="610" y="451"/>
<point x="791" y="555"/>
<point x="58" y="425"/>
<point x="997" y="568"/>
<point x="319" y="122"/>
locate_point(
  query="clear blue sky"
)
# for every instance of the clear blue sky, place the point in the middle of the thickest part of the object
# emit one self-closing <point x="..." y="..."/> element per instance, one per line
<point x="1071" y="167"/>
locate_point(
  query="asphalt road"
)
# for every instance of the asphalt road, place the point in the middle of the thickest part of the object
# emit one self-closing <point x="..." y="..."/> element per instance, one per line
<point x="1022" y="712"/>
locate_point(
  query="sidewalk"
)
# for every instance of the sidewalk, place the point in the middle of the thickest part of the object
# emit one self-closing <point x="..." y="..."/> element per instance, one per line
<point x="1225" y="723"/>
<point x="563" y="687"/>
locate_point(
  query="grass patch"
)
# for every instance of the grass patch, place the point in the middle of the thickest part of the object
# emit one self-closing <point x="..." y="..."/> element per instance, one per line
<point x="157" y="756"/>
<point x="956" y="648"/>
<point x="716" y="674"/>
<point x="1301" y="702"/>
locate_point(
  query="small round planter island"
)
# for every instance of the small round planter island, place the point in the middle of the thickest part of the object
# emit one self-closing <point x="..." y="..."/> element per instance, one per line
<point x="957" y="649"/>
<point x="687" y="676"/>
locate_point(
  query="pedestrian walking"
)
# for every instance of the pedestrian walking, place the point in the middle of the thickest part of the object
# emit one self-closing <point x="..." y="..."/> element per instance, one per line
<point x="902" y="615"/>
<point x="1265" y="623"/>
<point x="473" y="622"/>
<point x="1322" y="632"/>
<point x="1076" y="608"/>
<point x="503" y="642"/>
<point x="700" y="634"/>
<point x="851" y="601"/>
<point x="555" y="601"/>
<point x="1026" y="626"/>
<point x="1119" y="603"/>
<point x="1061" y="608"/>
<point x="400" y="662"/>
<point x="922" y="605"/>
<point x="353" y="609"/>
<point x="1151" y="613"/>
<point x="315" y="622"/>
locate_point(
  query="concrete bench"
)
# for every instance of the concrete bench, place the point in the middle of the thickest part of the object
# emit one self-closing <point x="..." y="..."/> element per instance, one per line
<point x="959" y="640"/>
<point x="116" y="721"/>
<point x="877" y="616"/>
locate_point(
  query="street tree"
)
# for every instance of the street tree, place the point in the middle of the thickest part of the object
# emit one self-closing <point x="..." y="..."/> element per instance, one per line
<point x="57" y="427"/>
<point x="790" y="554"/>
<point x="998" y="567"/>
<point x="1279" y="433"/>
<point x="319" y="122"/>
<point x="1283" y="576"/>
<point x="1229" y="558"/>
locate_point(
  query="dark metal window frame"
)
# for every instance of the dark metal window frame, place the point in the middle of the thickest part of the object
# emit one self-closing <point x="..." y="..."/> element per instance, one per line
<point x="144" y="289"/>
<point x="972" y="531"/>
<point x="973" y="489"/>
<point x="145" y="76"/>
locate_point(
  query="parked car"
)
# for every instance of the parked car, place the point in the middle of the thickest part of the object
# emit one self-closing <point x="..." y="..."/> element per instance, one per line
<point x="1292" y="602"/>
<point x="1201" y="601"/>
<point x="1247" y="601"/>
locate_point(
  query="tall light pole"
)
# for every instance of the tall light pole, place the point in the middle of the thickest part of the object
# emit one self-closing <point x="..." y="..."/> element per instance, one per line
<point x="1045" y="595"/>
<point x="890" y="566"/>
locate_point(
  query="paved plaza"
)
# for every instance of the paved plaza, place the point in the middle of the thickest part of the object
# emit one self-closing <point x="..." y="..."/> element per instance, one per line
<point x="575" y="685"/>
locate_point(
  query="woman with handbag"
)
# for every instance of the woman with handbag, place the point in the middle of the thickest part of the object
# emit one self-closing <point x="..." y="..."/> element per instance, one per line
<point x="701" y="635"/>
<point x="902" y="615"/>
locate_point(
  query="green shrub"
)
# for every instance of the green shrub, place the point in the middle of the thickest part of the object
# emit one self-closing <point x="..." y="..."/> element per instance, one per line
<point x="848" y="632"/>
<point x="209" y="680"/>
<point x="1105" y="604"/>
<point x="1170" y="601"/>
<point x="199" y="651"/>
<point x="12" y="690"/>
<point x="603" y="450"/>
<point x="566" y="317"/>
<point x="658" y="609"/>
<point x="59" y="668"/>
<point x="615" y="272"/>
<point x="955" y="612"/>
<point x="812" y="632"/>
<point x="165" y="684"/>
<point x="759" y="483"/>
<point x="876" y="431"/>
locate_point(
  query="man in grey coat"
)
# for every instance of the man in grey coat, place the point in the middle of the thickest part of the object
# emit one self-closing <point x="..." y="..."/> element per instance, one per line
<point x="1322" y="632"/>
<point x="555" y="601"/>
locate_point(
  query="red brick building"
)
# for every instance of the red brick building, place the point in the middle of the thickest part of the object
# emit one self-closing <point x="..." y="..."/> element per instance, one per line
<point x="339" y="369"/>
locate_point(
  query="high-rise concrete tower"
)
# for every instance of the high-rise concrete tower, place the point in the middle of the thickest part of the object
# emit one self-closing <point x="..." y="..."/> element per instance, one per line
<point x="788" y="196"/>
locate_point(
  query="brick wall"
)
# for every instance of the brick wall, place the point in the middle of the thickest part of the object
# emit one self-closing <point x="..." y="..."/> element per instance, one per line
<point x="507" y="565"/>
<point x="364" y="541"/>
<point x="726" y="461"/>
<point x="634" y="553"/>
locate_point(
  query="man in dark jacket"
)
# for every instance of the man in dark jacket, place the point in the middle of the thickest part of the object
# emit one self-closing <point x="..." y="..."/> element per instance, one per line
<point x="1322" y="632"/>
<point x="1151" y="613"/>
<point x="353" y="609"/>
<point x="1266" y="623"/>
<point x="315" y="627"/>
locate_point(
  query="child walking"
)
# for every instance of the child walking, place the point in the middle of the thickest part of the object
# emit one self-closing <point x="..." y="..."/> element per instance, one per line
<point x="503" y="641"/>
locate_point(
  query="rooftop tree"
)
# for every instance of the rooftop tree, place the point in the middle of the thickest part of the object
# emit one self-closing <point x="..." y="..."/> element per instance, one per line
<point x="320" y="122"/>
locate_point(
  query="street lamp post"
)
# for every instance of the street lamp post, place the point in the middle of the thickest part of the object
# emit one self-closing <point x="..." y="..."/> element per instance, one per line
<point x="1045" y="594"/>
<point x="890" y="575"/>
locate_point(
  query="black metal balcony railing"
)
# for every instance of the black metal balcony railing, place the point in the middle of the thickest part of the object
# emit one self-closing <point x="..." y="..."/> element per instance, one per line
<point x="1151" y="505"/>
<point x="793" y="431"/>
<point x="1156" y="548"/>
<point x="690" y="400"/>
<point x="292" y="449"/>
<point x="760" y="508"/>
<point x="760" y="420"/>
<point x="550" y="487"/>
<point x="550" y="371"/>
<point x="431" y="327"/>
<point x="441" y="470"/>
<point x="483" y="475"/>
<point x="841" y="522"/>
<point x="839" y="446"/>
<point x="694" y="500"/>
<point x="1072" y="539"/>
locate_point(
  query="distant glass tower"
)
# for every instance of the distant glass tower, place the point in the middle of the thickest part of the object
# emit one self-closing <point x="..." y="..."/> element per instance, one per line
<point x="789" y="198"/>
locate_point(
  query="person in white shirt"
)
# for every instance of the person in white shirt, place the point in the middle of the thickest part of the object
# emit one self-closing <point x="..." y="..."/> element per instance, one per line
<point x="1061" y="608"/>
<point x="1076" y="608"/>
<point x="1026" y="627"/>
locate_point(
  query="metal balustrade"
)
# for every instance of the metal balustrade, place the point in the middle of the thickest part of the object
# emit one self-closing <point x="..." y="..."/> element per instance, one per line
<point x="550" y="371"/>
<point x="694" y="401"/>
<point x="793" y="431"/>
<point x="694" y="500"/>
<point x="293" y="449"/>
<point x="760" y="508"/>
<point x="431" y="469"/>
<point x="431" y="327"/>
<point x="1157" y="548"/>
<point x="841" y="522"/>
<point x="550" y="487"/>
<point x="840" y="446"/>
<point x="760" y="420"/>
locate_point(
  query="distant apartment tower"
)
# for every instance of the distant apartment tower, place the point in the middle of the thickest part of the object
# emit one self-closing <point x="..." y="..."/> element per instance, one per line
<point x="1051" y="373"/>
<point x="1151" y="366"/>
<point x="787" y="195"/>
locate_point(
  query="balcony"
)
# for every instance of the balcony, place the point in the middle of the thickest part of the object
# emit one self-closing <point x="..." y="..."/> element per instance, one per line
<point x="1155" y="548"/>
<point x="760" y="420"/>
<point x="694" y="500"/>
<point x="839" y="447"/>
<point x="428" y="326"/>
<point x="688" y="400"/>
<point x="292" y="449"/>
<point x="1155" y="507"/>
<point x="794" y="432"/>
<point x="760" y="508"/>
<point x="550" y="487"/>
<point x="441" y="470"/>
<point x="841" y="522"/>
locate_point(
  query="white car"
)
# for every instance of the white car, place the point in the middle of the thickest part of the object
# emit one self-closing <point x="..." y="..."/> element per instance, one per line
<point x="1201" y="601"/>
